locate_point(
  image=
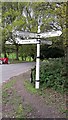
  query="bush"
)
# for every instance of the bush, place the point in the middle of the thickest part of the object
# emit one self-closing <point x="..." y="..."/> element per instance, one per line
<point x="52" y="74"/>
<point x="53" y="52"/>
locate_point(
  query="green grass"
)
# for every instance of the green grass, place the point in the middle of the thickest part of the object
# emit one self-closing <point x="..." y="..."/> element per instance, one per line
<point x="5" y="88"/>
<point x="13" y="100"/>
<point x="9" y="84"/>
<point x="30" y="87"/>
<point x="48" y="94"/>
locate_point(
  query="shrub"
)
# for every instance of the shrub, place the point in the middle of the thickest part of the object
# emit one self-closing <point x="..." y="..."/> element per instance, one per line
<point x="52" y="74"/>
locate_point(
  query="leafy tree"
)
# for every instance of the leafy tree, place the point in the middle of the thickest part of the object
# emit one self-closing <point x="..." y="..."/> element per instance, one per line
<point x="24" y="16"/>
<point x="66" y="48"/>
<point x="27" y="50"/>
<point x="11" y="19"/>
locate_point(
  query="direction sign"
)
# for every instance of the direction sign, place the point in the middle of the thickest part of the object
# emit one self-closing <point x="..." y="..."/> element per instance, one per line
<point x="50" y="34"/>
<point x="36" y="35"/>
<point x="25" y="34"/>
<point x="28" y="41"/>
<point x="47" y="42"/>
<point x="32" y="41"/>
<point x="9" y="42"/>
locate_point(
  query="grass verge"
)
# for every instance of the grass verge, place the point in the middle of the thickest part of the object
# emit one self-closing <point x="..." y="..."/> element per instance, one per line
<point x="12" y="104"/>
<point x="50" y="96"/>
<point x="29" y="87"/>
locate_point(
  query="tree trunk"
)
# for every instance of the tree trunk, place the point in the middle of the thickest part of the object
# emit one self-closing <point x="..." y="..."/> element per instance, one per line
<point x="22" y="58"/>
<point x="4" y="50"/>
<point x="17" y="47"/>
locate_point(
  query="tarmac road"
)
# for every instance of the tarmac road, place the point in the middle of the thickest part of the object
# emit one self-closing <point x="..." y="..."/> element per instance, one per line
<point x="9" y="70"/>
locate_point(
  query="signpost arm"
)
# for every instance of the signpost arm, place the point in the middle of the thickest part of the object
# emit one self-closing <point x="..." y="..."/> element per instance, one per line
<point x="38" y="63"/>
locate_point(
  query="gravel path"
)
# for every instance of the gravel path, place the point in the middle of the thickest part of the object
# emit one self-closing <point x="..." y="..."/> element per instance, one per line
<point x="39" y="108"/>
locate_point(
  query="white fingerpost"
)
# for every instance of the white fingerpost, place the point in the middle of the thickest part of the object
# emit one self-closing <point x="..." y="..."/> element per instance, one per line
<point x="38" y="63"/>
<point x="37" y="41"/>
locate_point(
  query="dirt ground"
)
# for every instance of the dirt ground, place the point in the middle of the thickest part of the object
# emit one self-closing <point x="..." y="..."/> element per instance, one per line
<point x="34" y="105"/>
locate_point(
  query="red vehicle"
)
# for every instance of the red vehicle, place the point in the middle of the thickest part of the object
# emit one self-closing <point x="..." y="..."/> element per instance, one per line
<point x="4" y="60"/>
